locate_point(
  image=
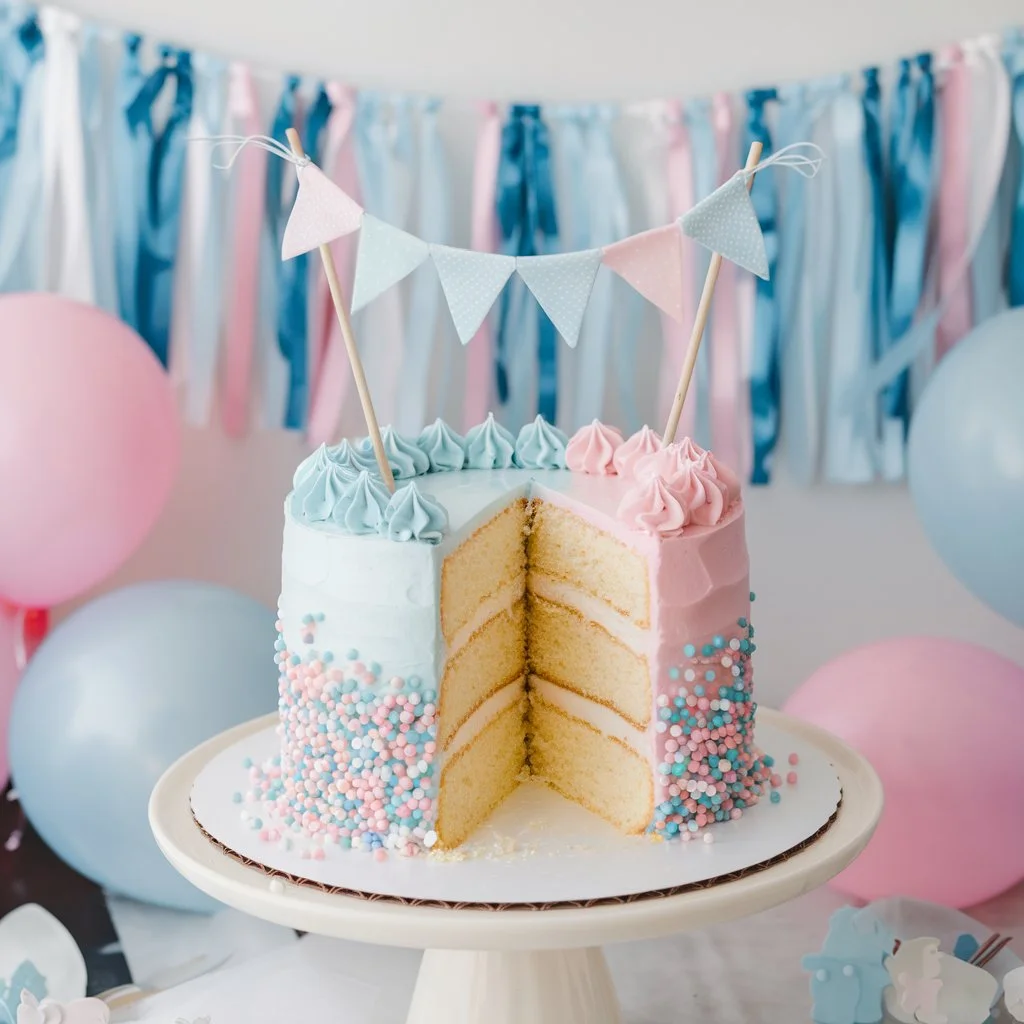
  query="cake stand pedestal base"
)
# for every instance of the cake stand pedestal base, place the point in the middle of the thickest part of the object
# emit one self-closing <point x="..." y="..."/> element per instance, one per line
<point x="541" y="965"/>
<point x="567" y="986"/>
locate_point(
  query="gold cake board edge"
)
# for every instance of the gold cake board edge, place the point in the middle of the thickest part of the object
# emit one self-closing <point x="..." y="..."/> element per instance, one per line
<point x="654" y="894"/>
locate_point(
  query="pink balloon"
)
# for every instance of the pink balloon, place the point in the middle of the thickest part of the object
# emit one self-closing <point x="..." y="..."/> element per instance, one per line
<point x="941" y="723"/>
<point x="89" y="445"/>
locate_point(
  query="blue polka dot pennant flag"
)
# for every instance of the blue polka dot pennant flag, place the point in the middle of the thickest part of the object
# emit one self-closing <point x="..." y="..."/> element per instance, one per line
<point x="386" y="256"/>
<point x="562" y="284"/>
<point x="725" y="222"/>
<point x="471" y="281"/>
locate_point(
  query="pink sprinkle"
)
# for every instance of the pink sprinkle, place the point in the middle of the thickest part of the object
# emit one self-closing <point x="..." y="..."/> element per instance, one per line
<point x="318" y="853"/>
<point x="791" y="778"/>
<point x="794" y="758"/>
<point x="776" y="781"/>
<point x="380" y="854"/>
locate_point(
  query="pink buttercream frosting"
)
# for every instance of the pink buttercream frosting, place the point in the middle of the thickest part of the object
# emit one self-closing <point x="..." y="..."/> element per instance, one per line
<point x="653" y="507"/>
<point x="592" y="450"/>
<point x="644" y="442"/>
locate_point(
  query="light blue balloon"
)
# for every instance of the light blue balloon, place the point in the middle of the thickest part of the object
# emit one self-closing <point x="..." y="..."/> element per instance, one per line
<point x="966" y="462"/>
<point x="117" y="693"/>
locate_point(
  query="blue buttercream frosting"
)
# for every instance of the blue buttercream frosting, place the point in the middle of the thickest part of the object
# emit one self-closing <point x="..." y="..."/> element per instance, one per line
<point x="360" y="509"/>
<point x="445" y="450"/>
<point x="404" y="457"/>
<point x="490" y="446"/>
<point x="311" y="466"/>
<point x="541" y="446"/>
<point x="318" y="491"/>
<point x="411" y="515"/>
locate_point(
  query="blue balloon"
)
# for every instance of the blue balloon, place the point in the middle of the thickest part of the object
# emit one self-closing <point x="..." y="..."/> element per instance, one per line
<point x="966" y="462"/>
<point x="114" y="696"/>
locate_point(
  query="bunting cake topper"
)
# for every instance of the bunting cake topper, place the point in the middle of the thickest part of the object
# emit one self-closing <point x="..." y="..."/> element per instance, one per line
<point x="650" y="262"/>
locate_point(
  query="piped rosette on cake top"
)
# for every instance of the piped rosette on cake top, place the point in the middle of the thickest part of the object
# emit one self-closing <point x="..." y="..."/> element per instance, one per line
<point x="575" y="610"/>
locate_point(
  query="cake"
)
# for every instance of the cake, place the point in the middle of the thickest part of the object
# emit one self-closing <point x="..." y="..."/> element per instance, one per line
<point x="521" y="607"/>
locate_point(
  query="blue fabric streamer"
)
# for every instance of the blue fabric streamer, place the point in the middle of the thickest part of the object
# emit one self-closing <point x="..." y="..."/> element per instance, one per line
<point x="1015" y="272"/>
<point x="421" y="322"/>
<point x="149" y="168"/>
<point x="22" y="48"/>
<point x="293" y="275"/>
<point x="525" y="202"/>
<point x="764" y="371"/>
<point x="705" y="181"/>
<point x="911" y="155"/>
<point x="21" y="157"/>
<point x="881" y="209"/>
<point x="599" y="216"/>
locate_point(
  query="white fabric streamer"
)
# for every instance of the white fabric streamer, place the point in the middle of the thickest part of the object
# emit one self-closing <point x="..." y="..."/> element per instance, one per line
<point x="67" y="245"/>
<point x="198" y="295"/>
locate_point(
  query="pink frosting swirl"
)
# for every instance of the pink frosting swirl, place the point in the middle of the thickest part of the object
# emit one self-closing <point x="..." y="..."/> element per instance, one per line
<point x="592" y="449"/>
<point x="644" y="442"/>
<point x="693" y="476"/>
<point x="651" y="506"/>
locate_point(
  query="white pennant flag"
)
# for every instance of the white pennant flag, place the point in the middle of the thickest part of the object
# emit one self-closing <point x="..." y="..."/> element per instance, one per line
<point x="386" y="256"/>
<point x="471" y="282"/>
<point x="562" y="284"/>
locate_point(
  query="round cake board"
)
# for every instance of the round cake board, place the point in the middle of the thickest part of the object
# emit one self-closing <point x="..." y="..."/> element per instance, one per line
<point x="537" y="850"/>
<point x="541" y="964"/>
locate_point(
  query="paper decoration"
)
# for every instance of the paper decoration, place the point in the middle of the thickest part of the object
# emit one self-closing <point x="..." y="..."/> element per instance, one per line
<point x="49" y="1011"/>
<point x="472" y="281"/>
<point x="931" y="987"/>
<point x="562" y="284"/>
<point x="848" y="976"/>
<point x="387" y="255"/>
<point x="322" y="213"/>
<point x="652" y="263"/>
<point x="1013" y="993"/>
<point x="38" y="953"/>
<point x="725" y="222"/>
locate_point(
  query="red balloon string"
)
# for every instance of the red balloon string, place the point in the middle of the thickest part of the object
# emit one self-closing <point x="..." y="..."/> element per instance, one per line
<point x="34" y="624"/>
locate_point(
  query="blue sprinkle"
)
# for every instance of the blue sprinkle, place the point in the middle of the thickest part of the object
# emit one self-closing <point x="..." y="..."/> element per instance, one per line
<point x="664" y="769"/>
<point x="247" y="762"/>
<point x="719" y="642"/>
<point x="775" y="797"/>
<point x="307" y="619"/>
<point x="707" y="650"/>
<point x="673" y="673"/>
<point x="689" y="650"/>
<point x="294" y="659"/>
<point x="664" y="714"/>
<point x="709" y="676"/>
<point x="742" y="623"/>
<point x="698" y="691"/>
<point x="678" y="769"/>
<point x="429" y="696"/>
<point x="769" y="760"/>
<point x="344" y="842"/>
<point x="353" y="654"/>
<point x="692" y="826"/>
<point x="327" y="656"/>
<point x="671" y="828"/>
<point x="236" y="798"/>
<point x="279" y="644"/>
<point x="374" y="668"/>
<point x="665" y="808"/>
<point x="256" y="823"/>
<point x="753" y="596"/>
<point x="319" y="616"/>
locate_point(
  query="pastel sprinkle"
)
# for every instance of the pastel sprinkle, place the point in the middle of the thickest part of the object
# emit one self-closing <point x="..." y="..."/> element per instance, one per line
<point x="794" y="758"/>
<point x="775" y="797"/>
<point x="791" y="778"/>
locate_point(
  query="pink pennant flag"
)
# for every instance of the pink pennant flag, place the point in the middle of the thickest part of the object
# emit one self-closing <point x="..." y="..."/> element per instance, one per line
<point x="322" y="213"/>
<point x="652" y="262"/>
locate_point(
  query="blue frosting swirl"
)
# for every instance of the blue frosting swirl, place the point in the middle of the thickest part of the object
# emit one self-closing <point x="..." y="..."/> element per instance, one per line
<point x="343" y="454"/>
<point x="541" y="446"/>
<point x="318" y="490"/>
<point x="490" y="446"/>
<point x="361" y="508"/>
<point x="404" y="457"/>
<point x="444" y="449"/>
<point x="411" y="515"/>
<point x="311" y="466"/>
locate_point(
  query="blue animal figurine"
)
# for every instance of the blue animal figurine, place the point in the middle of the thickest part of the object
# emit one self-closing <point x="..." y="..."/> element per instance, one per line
<point x="848" y="976"/>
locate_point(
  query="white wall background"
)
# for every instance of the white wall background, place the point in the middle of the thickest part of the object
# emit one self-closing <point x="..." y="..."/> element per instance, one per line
<point x="833" y="567"/>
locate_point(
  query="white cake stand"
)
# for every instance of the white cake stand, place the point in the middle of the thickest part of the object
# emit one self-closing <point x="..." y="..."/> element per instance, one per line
<point x="513" y="966"/>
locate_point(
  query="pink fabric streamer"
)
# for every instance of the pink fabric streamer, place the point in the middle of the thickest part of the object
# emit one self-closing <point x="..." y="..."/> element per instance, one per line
<point x="730" y="405"/>
<point x="954" y="202"/>
<point x="676" y="336"/>
<point x="243" y="280"/>
<point x="480" y="350"/>
<point x="328" y="360"/>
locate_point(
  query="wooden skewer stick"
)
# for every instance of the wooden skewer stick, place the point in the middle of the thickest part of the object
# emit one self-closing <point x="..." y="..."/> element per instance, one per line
<point x="703" y="309"/>
<point x="350" y="343"/>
